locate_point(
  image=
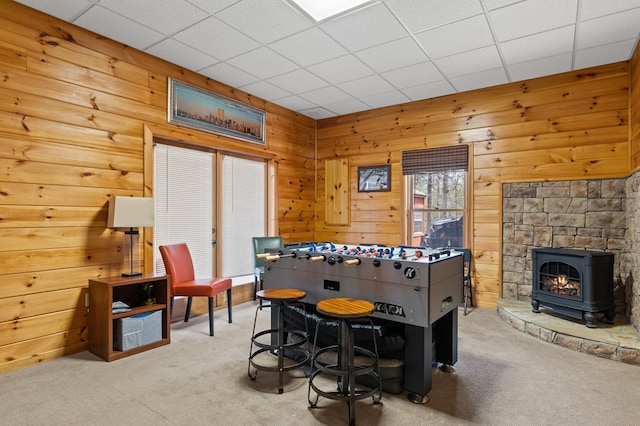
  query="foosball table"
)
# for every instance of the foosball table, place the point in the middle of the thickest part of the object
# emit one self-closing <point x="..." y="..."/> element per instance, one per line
<point x="417" y="287"/>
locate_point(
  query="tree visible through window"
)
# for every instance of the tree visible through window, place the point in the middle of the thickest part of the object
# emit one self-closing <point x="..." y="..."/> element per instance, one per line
<point x="437" y="208"/>
<point x="436" y="183"/>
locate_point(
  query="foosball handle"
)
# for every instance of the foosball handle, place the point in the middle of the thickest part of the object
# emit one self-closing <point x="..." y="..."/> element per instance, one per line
<point x="351" y="262"/>
<point x="277" y="256"/>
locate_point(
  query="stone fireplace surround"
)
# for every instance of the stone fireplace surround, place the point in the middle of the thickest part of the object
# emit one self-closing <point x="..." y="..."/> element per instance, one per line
<point x="596" y="214"/>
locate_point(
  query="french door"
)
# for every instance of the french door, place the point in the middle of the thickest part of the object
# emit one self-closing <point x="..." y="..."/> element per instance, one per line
<point x="215" y="203"/>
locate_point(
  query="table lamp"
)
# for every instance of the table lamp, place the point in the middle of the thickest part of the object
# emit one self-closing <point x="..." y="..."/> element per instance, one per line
<point x="130" y="212"/>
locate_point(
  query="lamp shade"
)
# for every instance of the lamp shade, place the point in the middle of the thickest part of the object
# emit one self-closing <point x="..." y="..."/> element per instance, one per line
<point x="130" y="212"/>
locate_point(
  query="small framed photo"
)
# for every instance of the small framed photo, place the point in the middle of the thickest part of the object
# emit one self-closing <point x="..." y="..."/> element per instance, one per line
<point x="374" y="178"/>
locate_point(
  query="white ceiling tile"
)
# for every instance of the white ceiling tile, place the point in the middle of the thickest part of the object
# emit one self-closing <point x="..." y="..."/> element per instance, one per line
<point x="605" y="54"/>
<point x="496" y="4"/>
<point x="608" y="29"/>
<point x="368" y="27"/>
<point x="478" y="60"/>
<point x="413" y="75"/>
<point x="213" y="6"/>
<point x="265" y="90"/>
<point x="366" y="86"/>
<point x="264" y="20"/>
<point x="531" y="17"/>
<point x="229" y="42"/>
<point x="420" y="15"/>
<point x="165" y="16"/>
<point x="385" y="99"/>
<point x="119" y="28"/>
<point x="539" y="67"/>
<point x="298" y="81"/>
<point x="480" y="79"/>
<point x="548" y="43"/>
<point x="347" y="107"/>
<point x="317" y="113"/>
<point x="263" y="62"/>
<point x="228" y="74"/>
<point x="326" y="95"/>
<point x="458" y="37"/>
<point x="294" y="103"/>
<point x="309" y="47"/>
<point x="341" y="69"/>
<point x="65" y="10"/>
<point x="590" y="9"/>
<point x="428" y="90"/>
<point x="395" y="54"/>
<point x="178" y="53"/>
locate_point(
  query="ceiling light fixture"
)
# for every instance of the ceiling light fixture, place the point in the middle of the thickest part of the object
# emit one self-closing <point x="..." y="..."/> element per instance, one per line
<point x="324" y="9"/>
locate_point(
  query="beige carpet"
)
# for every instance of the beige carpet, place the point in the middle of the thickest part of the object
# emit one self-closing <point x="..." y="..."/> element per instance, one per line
<point x="503" y="377"/>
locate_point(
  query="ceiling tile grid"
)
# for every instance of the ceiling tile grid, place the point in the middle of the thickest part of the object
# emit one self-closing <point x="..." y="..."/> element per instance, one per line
<point x="382" y="53"/>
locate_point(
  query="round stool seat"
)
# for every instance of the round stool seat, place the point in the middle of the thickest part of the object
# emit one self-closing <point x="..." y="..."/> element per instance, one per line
<point x="344" y="307"/>
<point x="281" y="294"/>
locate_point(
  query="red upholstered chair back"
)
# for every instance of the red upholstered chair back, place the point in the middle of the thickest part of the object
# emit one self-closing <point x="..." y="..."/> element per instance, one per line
<point x="178" y="263"/>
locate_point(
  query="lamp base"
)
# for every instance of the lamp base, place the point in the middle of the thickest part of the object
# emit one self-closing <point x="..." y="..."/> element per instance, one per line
<point x="131" y="274"/>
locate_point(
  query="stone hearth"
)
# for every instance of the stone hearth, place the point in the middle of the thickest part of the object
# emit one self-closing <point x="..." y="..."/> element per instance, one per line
<point x="583" y="214"/>
<point x="618" y="342"/>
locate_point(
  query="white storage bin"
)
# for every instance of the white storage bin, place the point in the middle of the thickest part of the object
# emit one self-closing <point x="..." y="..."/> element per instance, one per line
<point x="137" y="330"/>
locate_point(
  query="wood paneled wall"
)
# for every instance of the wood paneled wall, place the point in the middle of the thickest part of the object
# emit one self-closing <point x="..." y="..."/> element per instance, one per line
<point x="634" y="110"/>
<point x="567" y="126"/>
<point x="73" y="107"/>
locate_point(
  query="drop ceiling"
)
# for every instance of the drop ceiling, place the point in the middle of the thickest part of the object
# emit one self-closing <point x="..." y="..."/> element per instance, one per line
<point x="383" y="53"/>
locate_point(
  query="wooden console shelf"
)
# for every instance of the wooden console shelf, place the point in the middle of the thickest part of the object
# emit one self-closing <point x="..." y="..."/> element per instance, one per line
<point x="103" y="292"/>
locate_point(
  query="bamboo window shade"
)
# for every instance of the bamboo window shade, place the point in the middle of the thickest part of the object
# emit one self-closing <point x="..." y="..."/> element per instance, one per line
<point x="420" y="161"/>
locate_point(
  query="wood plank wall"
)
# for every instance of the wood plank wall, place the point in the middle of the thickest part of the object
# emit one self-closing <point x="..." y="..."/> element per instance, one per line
<point x="73" y="107"/>
<point x="568" y="126"/>
<point x="634" y="108"/>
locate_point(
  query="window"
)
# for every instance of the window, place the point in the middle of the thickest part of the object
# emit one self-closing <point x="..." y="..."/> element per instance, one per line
<point x="436" y="183"/>
<point x="418" y="222"/>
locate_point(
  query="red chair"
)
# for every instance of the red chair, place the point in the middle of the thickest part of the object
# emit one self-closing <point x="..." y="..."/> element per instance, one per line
<point x="179" y="265"/>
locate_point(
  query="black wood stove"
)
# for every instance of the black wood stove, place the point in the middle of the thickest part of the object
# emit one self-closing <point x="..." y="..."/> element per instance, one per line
<point x="575" y="283"/>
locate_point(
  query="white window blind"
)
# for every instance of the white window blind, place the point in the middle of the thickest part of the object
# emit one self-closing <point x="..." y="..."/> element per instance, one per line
<point x="183" y="204"/>
<point x="243" y="213"/>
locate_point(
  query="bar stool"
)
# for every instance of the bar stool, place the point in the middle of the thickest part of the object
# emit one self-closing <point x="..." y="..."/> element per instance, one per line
<point x="346" y="312"/>
<point x="277" y="344"/>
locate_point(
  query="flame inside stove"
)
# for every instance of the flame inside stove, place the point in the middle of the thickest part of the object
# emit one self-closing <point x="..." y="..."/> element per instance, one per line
<point x="561" y="284"/>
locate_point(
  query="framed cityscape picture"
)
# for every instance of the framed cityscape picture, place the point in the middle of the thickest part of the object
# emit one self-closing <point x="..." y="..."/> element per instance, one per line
<point x="199" y="109"/>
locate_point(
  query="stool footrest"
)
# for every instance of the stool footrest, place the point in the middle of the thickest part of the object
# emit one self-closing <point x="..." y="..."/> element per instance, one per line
<point x="334" y="369"/>
<point x="348" y="394"/>
<point x="303" y="338"/>
<point x="288" y="364"/>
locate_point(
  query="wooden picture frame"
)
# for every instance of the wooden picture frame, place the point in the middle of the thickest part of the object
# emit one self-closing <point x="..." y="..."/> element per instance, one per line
<point x="374" y="178"/>
<point x="199" y="109"/>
